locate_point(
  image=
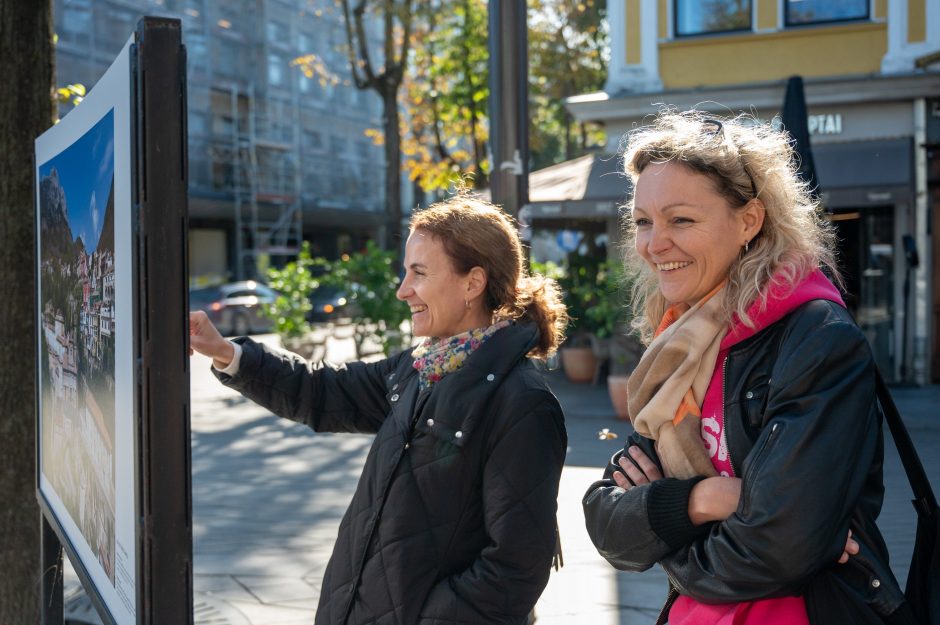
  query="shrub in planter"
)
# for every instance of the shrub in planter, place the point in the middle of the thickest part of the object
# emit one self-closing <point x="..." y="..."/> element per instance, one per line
<point x="625" y="353"/>
<point x="370" y="284"/>
<point x="294" y="282"/>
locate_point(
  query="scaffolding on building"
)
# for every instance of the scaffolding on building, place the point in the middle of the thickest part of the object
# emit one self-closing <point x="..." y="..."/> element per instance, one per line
<point x="266" y="181"/>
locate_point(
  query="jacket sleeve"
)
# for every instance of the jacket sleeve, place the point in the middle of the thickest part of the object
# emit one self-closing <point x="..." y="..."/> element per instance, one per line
<point x="633" y="529"/>
<point x="801" y="480"/>
<point x="349" y="398"/>
<point x="520" y="492"/>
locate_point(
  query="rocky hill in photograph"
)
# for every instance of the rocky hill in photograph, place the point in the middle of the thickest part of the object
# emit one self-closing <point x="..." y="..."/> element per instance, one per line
<point x="55" y="233"/>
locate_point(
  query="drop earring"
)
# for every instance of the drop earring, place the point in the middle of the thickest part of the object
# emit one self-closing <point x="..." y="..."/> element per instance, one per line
<point x="747" y="246"/>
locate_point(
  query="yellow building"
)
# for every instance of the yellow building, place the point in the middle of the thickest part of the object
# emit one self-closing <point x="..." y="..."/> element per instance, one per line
<point x="872" y="79"/>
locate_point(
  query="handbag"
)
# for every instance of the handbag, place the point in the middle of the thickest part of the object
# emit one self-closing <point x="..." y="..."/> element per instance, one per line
<point x="923" y="577"/>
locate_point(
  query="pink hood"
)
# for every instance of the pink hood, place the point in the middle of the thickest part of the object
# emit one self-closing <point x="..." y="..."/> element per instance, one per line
<point x="781" y="300"/>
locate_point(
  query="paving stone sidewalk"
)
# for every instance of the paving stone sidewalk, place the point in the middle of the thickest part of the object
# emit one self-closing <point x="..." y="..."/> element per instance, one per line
<point x="268" y="496"/>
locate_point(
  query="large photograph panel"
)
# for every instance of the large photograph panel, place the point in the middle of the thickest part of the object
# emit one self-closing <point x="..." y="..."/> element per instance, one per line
<point x="76" y="205"/>
<point x="85" y="341"/>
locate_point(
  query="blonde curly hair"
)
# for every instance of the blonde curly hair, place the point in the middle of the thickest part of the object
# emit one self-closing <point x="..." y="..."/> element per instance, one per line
<point x="745" y="159"/>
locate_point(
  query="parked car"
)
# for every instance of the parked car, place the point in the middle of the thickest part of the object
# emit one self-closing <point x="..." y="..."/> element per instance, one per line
<point x="235" y="308"/>
<point x="329" y="304"/>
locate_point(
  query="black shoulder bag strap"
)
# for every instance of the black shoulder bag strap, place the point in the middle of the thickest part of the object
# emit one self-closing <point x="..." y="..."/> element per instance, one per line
<point x="923" y="578"/>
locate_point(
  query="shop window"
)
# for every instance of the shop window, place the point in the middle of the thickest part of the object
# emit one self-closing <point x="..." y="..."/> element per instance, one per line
<point x="801" y="12"/>
<point x="703" y="17"/>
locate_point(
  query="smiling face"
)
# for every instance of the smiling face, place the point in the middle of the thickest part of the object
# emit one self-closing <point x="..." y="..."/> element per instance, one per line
<point x="437" y="294"/>
<point x="688" y="233"/>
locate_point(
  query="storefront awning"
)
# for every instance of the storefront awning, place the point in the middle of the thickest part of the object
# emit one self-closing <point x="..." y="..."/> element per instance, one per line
<point x="590" y="187"/>
<point x="865" y="173"/>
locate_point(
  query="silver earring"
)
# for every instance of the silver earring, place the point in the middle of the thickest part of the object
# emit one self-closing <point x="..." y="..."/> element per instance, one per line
<point x="747" y="246"/>
<point x="467" y="303"/>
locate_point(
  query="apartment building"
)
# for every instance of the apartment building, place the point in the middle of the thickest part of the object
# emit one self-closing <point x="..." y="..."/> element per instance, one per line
<point x="871" y="70"/>
<point x="275" y="156"/>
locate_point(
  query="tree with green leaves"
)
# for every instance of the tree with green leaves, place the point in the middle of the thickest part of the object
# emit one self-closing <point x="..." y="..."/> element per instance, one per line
<point x="448" y="87"/>
<point x="294" y="283"/>
<point x="568" y="55"/>
<point x="370" y="283"/>
<point x="433" y="67"/>
<point x="446" y="96"/>
<point x="27" y="61"/>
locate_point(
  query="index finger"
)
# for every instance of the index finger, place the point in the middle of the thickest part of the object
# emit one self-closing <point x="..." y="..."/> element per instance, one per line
<point x="646" y="465"/>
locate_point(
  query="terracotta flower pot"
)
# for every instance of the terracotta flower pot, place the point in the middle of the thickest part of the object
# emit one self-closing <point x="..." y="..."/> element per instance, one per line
<point x="617" y="387"/>
<point x="579" y="364"/>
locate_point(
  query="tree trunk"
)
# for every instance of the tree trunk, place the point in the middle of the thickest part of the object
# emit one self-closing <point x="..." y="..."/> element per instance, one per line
<point x="392" y="173"/>
<point x="26" y="110"/>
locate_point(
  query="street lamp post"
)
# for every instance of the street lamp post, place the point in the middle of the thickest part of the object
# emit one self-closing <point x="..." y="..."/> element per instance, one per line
<point x="509" y="105"/>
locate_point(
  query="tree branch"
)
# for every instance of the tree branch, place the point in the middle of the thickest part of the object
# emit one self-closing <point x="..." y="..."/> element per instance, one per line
<point x="370" y="81"/>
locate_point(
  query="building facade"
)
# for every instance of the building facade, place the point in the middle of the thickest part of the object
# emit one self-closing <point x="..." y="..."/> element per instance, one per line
<point x="276" y="156"/>
<point x="871" y="70"/>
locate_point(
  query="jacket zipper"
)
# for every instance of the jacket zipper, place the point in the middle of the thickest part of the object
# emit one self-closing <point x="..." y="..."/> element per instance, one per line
<point x="671" y="597"/>
<point x="414" y="421"/>
<point x="724" y="413"/>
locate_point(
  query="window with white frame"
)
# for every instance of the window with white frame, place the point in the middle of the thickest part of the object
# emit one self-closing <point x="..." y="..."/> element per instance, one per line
<point x="703" y="17"/>
<point x="799" y="12"/>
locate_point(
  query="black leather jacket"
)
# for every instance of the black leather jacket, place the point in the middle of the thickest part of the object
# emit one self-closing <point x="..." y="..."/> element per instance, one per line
<point x="803" y="431"/>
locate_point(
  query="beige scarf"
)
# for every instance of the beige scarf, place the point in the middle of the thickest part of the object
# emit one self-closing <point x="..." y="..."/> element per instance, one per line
<point x="667" y="389"/>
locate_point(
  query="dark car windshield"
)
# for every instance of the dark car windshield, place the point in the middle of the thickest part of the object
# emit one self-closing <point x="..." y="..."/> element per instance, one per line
<point x="325" y="292"/>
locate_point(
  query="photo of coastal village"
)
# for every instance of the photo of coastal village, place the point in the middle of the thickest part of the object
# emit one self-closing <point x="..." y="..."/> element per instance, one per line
<point x="77" y="333"/>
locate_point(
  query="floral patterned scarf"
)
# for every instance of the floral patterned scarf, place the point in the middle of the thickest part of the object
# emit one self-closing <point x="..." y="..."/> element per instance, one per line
<point x="435" y="358"/>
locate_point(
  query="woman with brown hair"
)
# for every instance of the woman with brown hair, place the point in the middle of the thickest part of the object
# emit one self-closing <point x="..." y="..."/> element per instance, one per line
<point x="453" y="519"/>
<point x="758" y="445"/>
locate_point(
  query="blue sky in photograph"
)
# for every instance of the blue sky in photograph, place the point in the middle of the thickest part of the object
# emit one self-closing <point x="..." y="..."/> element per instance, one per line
<point x="86" y="169"/>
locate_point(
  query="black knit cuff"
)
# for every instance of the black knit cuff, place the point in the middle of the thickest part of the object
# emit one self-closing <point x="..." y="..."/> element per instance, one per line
<point x="667" y="506"/>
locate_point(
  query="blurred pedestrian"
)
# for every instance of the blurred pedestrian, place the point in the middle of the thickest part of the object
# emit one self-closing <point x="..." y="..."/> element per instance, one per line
<point x="453" y="519"/>
<point x="755" y="474"/>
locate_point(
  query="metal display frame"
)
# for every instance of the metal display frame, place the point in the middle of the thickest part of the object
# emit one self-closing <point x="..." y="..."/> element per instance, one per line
<point x="159" y="222"/>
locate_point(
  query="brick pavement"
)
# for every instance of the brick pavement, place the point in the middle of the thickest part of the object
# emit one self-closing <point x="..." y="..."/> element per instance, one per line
<point x="268" y="496"/>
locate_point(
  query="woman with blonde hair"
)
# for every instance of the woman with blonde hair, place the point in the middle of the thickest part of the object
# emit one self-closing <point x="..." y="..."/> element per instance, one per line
<point x="453" y="519"/>
<point x="758" y="443"/>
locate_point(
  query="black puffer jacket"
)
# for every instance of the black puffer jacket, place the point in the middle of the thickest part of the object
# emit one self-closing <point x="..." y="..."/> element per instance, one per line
<point x="453" y="520"/>
<point x="803" y="430"/>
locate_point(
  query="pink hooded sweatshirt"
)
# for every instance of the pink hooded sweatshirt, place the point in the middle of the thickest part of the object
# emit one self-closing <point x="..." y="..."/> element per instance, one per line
<point x="780" y="302"/>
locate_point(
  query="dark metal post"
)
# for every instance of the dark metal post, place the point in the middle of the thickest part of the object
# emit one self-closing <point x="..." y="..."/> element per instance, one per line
<point x="166" y="580"/>
<point x="509" y="104"/>
<point x="52" y="611"/>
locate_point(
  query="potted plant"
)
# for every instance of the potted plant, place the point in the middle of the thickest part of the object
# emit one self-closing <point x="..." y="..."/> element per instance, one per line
<point x="578" y="281"/>
<point x="606" y="311"/>
<point x="612" y="337"/>
<point x="625" y="353"/>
